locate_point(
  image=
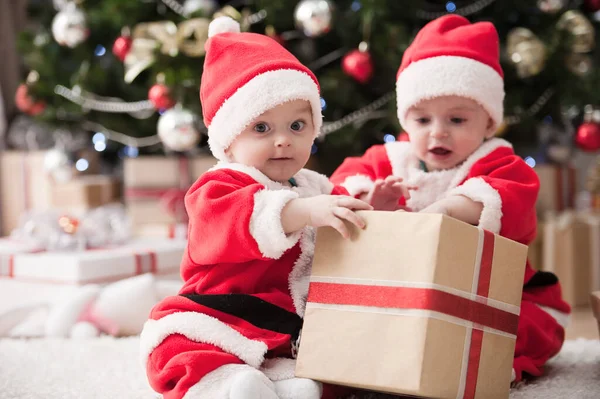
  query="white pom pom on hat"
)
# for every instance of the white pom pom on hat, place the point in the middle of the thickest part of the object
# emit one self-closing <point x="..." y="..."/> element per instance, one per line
<point x="223" y="25"/>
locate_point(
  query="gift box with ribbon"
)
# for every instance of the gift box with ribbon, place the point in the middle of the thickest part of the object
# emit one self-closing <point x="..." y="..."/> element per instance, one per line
<point x="98" y="265"/>
<point x="558" y="185"/>
<point x="571" y="250"/>
<point x="155" y="188"/>
<point x="415" y="304"/>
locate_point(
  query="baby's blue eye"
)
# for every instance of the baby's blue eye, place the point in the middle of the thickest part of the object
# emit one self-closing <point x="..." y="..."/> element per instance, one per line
<point x="297" y="125"/>
<point x="261" y="127"/>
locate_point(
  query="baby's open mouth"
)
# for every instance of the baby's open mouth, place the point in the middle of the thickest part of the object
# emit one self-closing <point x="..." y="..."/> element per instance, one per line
<point x="440" y="151"/>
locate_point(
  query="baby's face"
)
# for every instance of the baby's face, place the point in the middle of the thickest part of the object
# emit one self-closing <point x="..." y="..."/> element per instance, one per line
<point x="444" y="131"/>
<point x="278" y="142"/>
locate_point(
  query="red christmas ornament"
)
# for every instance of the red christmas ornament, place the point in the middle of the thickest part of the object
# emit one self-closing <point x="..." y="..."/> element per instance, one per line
<point x="588" y="137"/>
<point x="592" y="5"/>
<point x="121" y="47"/>
<point x="26" y="104"/>
<point x="160" y="95"/>
<point x="402" y="136"/>
<point x="359" y="65"/>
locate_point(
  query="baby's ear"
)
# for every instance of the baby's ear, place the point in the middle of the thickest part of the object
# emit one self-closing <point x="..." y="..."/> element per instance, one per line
<point x="491" y="129"/>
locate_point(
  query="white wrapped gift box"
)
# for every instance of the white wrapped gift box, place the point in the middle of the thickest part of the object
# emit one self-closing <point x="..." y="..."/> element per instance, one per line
<point x="143" y="255"/>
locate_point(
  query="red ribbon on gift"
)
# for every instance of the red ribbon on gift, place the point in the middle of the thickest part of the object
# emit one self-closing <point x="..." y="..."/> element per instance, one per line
<point x="171" y="198"/>
<point x="474" y="308"/>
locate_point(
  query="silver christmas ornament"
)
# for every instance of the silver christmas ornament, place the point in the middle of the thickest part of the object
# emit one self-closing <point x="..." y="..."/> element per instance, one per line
<point x="69" y="27"/>
<point x="314" y="17"/>
<point x="208" y="7"/>
<point x="177" y="129"/>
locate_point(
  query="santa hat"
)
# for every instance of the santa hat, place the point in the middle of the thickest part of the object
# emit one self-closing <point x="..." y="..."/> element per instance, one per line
<point x="246" y="74"/>
<point x="451" y="56"/>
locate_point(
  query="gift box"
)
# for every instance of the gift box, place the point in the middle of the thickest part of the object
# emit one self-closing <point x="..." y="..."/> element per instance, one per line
<point x="558" y="185"/>
<point x="171" y="230"/>
<point x="101" y="265"/>
<point x="535" y="252"/>
<point x="571" y="250"/>
<point x="26" y="186"/>
<point x="595" y="302"/>
<point x="155" y="187"/>
<point x="415" y="304"/>
<point x="86" y="192"/>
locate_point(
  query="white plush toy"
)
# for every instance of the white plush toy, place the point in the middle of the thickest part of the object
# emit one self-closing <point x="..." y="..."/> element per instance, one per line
<point x="117" y="309"/>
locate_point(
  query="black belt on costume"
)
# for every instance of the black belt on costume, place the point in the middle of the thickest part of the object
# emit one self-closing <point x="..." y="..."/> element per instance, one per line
<point x="254" y="310"/>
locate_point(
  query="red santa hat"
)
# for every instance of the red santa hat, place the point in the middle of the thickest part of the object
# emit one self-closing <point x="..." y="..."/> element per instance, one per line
<point x="246" y="74"/>
<point x="451" y="56"/>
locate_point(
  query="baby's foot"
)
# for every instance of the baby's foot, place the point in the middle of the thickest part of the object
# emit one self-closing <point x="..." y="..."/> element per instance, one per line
<point x="252" y="384"/>
<point x="298" y="388"/>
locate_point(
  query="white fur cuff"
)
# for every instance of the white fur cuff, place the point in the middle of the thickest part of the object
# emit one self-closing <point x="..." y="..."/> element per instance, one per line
<point x="265" y="222"/>
<point x="358" y="184"/>
<point x="479" y="190"/>
<point x="199" y="327"/>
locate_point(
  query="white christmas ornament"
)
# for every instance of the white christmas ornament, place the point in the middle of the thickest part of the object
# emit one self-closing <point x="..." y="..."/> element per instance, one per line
<point x="207" y="7"/>
<point x="177" y="129"/>
<point x="314" y="17"/>
<point x="69" y="26"/>
<point x="58" y="164"/>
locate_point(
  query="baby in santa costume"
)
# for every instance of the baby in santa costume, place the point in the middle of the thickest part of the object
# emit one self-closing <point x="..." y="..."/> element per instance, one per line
<point x="232" y="331"/>
<point x="450" y="92"/>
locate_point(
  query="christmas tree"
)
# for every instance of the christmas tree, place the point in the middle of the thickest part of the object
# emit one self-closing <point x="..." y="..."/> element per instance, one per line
<point x="132" y="69"/>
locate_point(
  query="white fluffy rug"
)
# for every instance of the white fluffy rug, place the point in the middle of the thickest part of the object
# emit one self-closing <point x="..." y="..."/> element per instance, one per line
<point x="109" y="368"/>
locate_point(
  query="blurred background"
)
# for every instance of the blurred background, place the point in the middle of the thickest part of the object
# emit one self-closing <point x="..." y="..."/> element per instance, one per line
<point x="101" y="127"/>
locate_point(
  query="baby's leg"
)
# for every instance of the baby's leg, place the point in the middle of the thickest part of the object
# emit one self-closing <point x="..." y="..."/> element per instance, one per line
<point x="183" y="369"/>
<point x="287" y="386"/>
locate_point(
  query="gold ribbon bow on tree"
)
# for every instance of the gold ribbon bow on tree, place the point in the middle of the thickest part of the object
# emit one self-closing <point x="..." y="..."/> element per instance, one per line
<point x="188" y="37"/>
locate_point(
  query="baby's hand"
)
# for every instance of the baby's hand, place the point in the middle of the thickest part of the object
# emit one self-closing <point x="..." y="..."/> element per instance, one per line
<point x="458" y="207"/>
<point x="384" y="195"/>
<point x="331" y="210"/>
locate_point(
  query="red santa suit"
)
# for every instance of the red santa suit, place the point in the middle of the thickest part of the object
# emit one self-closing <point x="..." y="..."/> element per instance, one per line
<point x="240" y="310"/>
<point x="507" y="187"/>
<point x="245" y="286"/>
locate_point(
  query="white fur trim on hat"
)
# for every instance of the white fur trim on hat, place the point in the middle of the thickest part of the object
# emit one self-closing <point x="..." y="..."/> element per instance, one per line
<point x="223" y="25"/>
<point x="260" y="94"/>
<point x="450" y="76"/>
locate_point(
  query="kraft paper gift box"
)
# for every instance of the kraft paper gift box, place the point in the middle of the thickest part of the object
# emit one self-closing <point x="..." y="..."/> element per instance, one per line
<point x="157" y="256"/>
<point x="26" y="186"/>
<point x="86" y="192"/>
<point x="155" y="187"/>
<point x="172" y="231"/>
<point x="415" y="304"/>
<point x="535" y="252"/>
<point x="571" y="250"/>
<point x="595" y="302"/>
<point x="558" y="185"/>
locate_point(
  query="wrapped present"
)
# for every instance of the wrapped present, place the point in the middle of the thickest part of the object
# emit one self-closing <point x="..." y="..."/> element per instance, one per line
<point x="571" y="250"/>
<point x="25" y="185"/>
<point x="415" y="304"/>
<point x="558" y="185"/>
<point x="157" y="256"/>
<point x="171" y="230"/>
<point x="155" y="187"/>
<point x="595" y="302"/>
<point x="86" y="192"/>
<point x="535" y="252"/>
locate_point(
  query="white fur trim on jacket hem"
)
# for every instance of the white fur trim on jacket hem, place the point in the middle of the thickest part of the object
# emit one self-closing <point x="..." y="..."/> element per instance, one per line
<point x="358" y="184"/>
<point x="265" y="222"/>
<point x="447" y="76"/>
<point x="260" y="94"/>
<point x="199" y="327"/>
<point x="563" y="319"/>
<point x="217" y="384"/>
<point x="479" y="190"/>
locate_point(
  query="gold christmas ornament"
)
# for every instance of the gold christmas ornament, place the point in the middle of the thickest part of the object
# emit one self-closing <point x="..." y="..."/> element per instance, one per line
<point x="188" y="37"/>
<point x="579" y="64"/>
<point x="526" y="51"/>
<point x="501" y="129"/>
<point x="241" y="17"/>
<point x="580" y="29"/>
